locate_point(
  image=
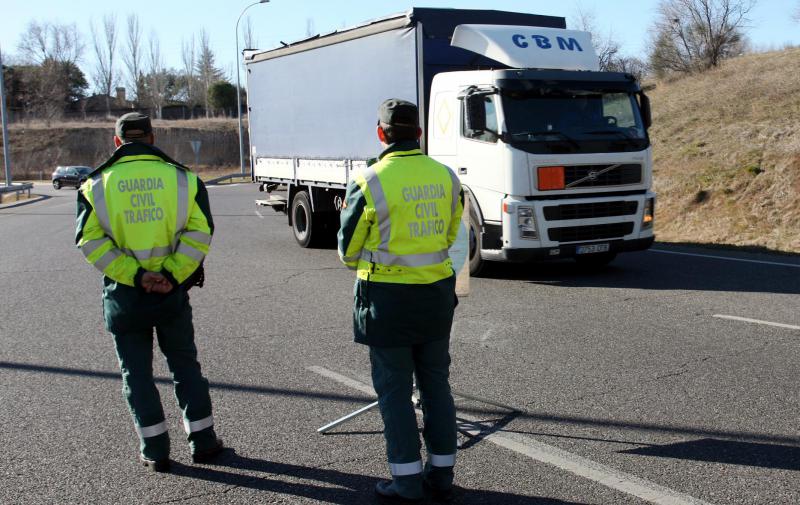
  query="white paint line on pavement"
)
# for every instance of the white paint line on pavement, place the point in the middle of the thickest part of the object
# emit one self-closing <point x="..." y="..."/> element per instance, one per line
<point x="347" y="381"/>
<point x="727" y="258"/>
<point x="259" y="214"/>
<point x="539" y="451"/>
<point x="757" y="321"/>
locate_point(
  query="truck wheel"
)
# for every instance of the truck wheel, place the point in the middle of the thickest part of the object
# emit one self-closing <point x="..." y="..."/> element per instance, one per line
<point x="302" y="219"/>
<point x="595" y="261"/>
<point x="476" y="263"/>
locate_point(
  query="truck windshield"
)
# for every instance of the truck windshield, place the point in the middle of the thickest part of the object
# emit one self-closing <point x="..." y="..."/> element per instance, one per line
<point x="563" y="120"/>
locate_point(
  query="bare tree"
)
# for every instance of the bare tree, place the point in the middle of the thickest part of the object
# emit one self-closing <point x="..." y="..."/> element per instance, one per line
<point x="49" y="53"/>
<point x="694" y="35"/>
<point x="133" y="55"/>
<point x="796" y="15"/>
<point x="250" y="39"/>
<point x="207" y="72"/>
<point x="157" y="78"/>
<point x="310" y="27"/>
<point x="605" y="46"/>
<point x="51" y="41"/>
<point x="105" y="48"/>
<point x="189" y="75"/>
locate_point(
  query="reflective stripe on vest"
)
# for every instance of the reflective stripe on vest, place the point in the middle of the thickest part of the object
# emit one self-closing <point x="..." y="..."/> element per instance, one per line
<point x="405" y="260"/>
<point x="192" y="252"/>
<point x="106" y="259"/>
<point x="92" y="245"/>
<point x="195" y="426"/>
<point x="146" y="254"/>
<point x="197" y="236"/>
<point x="381" y="207"/>
<point x="455" y="190"/>
<point x="99" y="203"/>
<point x="183" y="205"/>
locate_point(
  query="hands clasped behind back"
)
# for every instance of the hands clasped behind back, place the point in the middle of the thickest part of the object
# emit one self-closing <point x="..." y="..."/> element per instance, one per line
<point x="154" y="282"/>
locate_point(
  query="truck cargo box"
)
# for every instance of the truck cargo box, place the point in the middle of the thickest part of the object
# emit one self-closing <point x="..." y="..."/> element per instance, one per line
<point x="316" y="99"/>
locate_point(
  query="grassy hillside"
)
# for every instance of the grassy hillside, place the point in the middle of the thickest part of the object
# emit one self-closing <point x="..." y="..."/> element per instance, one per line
<point x="727" y="154"/>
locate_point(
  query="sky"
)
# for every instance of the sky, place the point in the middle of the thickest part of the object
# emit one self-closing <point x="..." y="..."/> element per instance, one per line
<point x="628" y="21"/>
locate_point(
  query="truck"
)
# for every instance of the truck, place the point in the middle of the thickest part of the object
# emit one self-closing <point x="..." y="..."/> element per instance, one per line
<point x="553" y="153"/>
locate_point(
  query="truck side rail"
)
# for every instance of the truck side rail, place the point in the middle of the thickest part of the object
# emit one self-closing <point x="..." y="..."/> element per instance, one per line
<point x="306" y="172"/>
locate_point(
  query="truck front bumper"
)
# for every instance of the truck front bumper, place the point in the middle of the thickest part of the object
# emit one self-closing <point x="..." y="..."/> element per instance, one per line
<point x="564" y="251"/>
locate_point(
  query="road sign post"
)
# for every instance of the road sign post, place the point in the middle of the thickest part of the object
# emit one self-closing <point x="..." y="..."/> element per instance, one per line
<point x="196" y="148"/>
<point x="4" y="119"/>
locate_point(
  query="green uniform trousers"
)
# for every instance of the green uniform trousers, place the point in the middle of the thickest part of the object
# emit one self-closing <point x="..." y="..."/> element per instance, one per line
<point x="135" y="353"/>
<point x="393" y="370"/>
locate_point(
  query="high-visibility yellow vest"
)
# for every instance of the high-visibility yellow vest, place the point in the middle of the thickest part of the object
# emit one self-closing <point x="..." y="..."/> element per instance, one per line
<point x="142" y="214"/>
<point x="402" y="214"/>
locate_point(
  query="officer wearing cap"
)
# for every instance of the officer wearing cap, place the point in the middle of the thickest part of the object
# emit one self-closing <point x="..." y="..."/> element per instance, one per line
<point x="400" y="217"/>
<point x="144" y="221"/>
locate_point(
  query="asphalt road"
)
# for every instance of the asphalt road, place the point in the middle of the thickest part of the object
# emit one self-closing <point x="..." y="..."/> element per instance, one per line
<point x="632" y="385"/>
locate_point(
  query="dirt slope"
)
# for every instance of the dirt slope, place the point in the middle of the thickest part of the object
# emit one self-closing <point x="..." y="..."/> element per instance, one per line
<point x="727" y="154"/>
<point x="39" y="148"/>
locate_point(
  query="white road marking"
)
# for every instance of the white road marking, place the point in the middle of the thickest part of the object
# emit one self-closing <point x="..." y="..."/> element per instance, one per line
<point x="259" y="214"/>
<point x="727" y="258"/>
<point x="539" y="451"/>
<point x="757" y="321"/>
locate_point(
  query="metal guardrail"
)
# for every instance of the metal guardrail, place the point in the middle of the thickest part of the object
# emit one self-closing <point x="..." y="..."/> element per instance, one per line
<point x="17" y="189"/>
<point x="223" y="178"/>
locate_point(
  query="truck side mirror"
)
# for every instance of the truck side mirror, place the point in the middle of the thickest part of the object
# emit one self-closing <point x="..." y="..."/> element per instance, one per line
<point x="475" y="108"/>
<point x="647" y="115"/>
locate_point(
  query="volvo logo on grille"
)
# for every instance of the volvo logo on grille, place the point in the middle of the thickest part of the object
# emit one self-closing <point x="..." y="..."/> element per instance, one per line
<point x="592" y="175"/>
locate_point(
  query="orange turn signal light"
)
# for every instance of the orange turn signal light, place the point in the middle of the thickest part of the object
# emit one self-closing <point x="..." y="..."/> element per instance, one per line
<point x="551" y="178"/>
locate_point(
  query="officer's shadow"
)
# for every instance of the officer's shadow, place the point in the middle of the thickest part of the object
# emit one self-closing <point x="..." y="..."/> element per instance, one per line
<point x="324" y="484"/>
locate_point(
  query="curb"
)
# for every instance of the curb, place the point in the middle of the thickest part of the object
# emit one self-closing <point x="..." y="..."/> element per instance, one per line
<point x="37" y="198"/>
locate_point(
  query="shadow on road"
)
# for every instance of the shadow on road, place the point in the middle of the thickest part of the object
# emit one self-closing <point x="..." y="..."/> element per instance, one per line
<point x="661" y="271"/>
<point x="784" y="457"/>
<point x="329" y="486"/>
<point x="225" y="386"/>
<point x="497" y="418"/>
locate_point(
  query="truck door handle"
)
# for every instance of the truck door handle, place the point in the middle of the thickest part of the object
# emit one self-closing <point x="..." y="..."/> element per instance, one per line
<point x="462" y="170"/>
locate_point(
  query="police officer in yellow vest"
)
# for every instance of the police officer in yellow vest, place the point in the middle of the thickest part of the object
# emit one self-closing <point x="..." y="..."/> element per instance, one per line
<point x="400" y="217"/>
<point x="144" y="221"/>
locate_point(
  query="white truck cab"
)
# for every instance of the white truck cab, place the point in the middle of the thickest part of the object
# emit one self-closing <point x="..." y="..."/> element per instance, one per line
<point x="557" y="162"/>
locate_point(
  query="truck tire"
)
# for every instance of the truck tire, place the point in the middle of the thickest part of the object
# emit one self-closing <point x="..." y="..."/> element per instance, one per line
<point x="476" y="263"/>
<point x="595" y="261"/>
<point x="303" y="225"/>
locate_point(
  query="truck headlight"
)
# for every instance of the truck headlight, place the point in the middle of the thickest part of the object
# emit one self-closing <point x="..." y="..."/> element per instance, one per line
<point x="649" y="213"/>
<point x="526" y="223"/>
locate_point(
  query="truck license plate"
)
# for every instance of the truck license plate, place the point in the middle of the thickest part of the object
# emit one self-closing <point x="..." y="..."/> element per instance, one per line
<point x="592" y="248"/>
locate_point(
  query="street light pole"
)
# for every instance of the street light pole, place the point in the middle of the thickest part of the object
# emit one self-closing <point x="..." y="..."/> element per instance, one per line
<point x="239" y="86"/>
<point x="4" y="119"/>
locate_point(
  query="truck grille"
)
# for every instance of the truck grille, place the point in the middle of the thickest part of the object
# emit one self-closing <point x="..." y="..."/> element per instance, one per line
<point x="593" y="232"/>
<point x="623" y="174"/>
<point x="590" y="210"/>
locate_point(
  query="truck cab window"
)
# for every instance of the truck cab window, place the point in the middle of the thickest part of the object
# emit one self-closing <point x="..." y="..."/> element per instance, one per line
<point x="490" y="133"/>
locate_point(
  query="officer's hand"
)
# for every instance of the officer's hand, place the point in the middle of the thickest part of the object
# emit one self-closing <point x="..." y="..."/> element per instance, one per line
<point x="154" y="282"/>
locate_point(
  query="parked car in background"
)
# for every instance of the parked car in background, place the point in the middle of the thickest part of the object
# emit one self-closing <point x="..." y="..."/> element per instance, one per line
<point x="70" y="176"/>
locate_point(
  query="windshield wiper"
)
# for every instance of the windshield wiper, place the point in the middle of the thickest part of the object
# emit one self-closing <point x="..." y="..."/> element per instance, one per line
<point x="606" y="132"/>
<point x="563" y="135"/>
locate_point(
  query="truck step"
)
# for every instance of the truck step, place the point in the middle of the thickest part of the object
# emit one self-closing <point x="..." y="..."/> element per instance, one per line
<point x="278" y="203"/>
